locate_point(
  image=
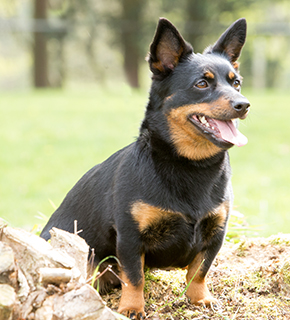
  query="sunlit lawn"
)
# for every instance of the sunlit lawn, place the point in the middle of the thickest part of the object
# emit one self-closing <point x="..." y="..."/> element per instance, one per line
<point x="50" y="138"/>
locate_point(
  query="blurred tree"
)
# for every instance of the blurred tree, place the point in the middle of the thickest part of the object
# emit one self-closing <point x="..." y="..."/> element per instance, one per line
<point x="100" y="30"/>
<point x="40" y="60"/>
<point x="198" y="15"/>
<point x="131" y="24"/>
<point x="206" y="17"/>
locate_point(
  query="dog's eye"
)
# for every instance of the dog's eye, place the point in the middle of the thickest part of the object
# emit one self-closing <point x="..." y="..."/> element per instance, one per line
<point x="237" y="84"/>
<point x="202" y="84"/>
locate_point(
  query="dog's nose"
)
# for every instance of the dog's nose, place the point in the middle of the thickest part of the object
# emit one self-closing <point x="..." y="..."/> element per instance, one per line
<point x="242" y="106"/>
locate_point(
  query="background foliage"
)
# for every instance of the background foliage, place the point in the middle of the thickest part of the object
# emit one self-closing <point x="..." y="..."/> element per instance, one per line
<point x="94" y="55"/>
<point x="97" y="41"/>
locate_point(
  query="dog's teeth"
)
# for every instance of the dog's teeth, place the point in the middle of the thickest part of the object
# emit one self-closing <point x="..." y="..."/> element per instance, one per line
<point x="212" y="128"/>
<point x="202" y="119"/>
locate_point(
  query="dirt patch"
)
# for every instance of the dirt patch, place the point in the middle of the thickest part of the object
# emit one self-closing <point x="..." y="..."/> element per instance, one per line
<point x="251" y="280"/>
<point x="49" y="281"/>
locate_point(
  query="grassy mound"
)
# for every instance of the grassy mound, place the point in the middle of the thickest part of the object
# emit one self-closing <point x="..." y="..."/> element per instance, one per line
<point x="251" y="280"/>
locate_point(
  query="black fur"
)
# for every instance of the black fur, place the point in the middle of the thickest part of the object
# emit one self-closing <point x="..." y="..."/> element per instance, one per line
<point x="153" y="171"/>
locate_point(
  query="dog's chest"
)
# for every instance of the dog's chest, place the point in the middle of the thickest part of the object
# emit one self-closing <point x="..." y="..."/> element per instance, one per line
<point x="171" y="239"/>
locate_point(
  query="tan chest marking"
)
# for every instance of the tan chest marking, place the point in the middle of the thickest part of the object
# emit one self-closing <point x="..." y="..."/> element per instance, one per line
<point x="221" y="214"/>
<point x="146" y="215"/>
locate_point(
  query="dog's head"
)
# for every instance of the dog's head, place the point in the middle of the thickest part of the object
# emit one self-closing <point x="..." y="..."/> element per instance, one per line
<point x="195" y="99"/>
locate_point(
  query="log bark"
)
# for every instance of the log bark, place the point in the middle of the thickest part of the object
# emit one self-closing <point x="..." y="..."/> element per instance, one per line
<point x="7" y="301"/>
<point x="84" y="304"/>
<point x="73" y="245"/>
<point x="7" y="265"/>
<point x="79" y="304"/>
<point x="33" y="252"/>
<point x="42" y="281"/>
<point x="55" y="275"/>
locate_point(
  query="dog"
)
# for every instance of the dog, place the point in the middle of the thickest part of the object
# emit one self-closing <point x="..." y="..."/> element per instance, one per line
<point x="164" y="200"/>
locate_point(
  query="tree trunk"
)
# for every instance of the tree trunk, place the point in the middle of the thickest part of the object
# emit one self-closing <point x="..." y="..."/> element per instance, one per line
<point x="131" y="26"/>
<point x="40" y="58"/>
<point x="197" y="15"/>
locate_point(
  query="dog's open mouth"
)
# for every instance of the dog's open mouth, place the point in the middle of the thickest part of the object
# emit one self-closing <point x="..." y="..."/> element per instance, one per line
<point x="222" y="131"/>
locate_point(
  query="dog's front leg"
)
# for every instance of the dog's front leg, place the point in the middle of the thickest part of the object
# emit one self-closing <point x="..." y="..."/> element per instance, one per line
<point x="132" y="299"/>
<point x="213" y="230"/>
<point x="197" y="291"/>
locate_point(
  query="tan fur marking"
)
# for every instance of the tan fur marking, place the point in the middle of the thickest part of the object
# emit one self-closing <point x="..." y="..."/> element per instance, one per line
<point x="189" y="142"/>
<point x="169" y="97"/>
<point x="132" y="299"/>
<point x="222" y="213"/>
<point x="231" y="75"/>
<point x="236" y="65"/>
<point x="197" y="291"/>
<point x="146" y="214"/>
<point x="158" y="65"/>
<point x="209" y="74"/>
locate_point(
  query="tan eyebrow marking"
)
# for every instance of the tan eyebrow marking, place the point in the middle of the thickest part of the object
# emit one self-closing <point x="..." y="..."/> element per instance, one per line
<point x="236" y="65"/>
<point x="231" y="75"/>
<point x="209" y="74"/>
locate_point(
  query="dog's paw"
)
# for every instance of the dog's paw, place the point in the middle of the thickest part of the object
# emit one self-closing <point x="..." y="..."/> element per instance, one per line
<point x="208" y="301"/>
<point x="199" y="295"/>
<point x="133" y="314"/>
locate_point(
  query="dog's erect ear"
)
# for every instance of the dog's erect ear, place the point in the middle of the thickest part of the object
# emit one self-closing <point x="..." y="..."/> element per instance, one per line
<point x="231" y="41"/>
<point x="167" y="49"/>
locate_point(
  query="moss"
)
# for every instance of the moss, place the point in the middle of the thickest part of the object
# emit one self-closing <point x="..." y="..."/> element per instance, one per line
<point x="280" y="239"/>
<point x="285" y="272"/>
<point x="242" y="248"/>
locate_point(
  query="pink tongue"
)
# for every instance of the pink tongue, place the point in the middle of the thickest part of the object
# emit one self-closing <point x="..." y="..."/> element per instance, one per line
<point x="230" y="133"/>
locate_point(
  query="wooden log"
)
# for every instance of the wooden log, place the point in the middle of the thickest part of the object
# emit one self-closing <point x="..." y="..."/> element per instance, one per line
<point x="7" y="301"/>
<point x="37" y="263"/>
<point x="74" y="245"/>
<point x="33" y="252"/>
<point x="34" y="301"/>
<point x="79" y="304"/>
<point x="6" y="259"/>
<point x="7" y="265"/>
<point x="24" y="288"/>
<point x="46" y="311"/>
<point x="55" y="275"/>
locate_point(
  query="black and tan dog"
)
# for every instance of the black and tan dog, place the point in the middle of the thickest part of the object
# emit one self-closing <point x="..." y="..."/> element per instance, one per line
<point x="164" y="200"/>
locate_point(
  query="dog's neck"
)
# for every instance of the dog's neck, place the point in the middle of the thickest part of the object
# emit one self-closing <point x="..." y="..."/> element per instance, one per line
<point x="151" y="143"/>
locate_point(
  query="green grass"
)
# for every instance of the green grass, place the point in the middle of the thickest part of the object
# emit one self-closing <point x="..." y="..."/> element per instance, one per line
<point x="49" y="139"/>
<point x="261" y="171"/>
